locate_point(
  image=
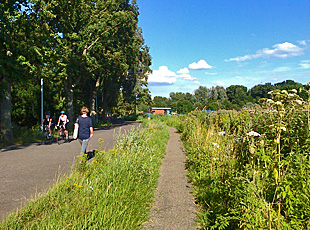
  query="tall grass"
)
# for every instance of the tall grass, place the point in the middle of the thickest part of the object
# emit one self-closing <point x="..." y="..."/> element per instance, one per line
<point x="114" y="191"/>
<point x="250" y="169"/>
<point x="175" y="121"/>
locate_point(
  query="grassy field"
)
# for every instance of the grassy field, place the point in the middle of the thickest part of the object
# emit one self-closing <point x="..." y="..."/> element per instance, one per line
<point x="113" y="191"/>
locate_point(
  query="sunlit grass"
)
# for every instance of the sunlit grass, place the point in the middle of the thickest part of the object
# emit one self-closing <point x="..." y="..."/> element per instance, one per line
<point x="114" y="191"/>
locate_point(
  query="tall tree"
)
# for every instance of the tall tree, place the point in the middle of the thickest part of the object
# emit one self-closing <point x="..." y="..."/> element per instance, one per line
<point x="160" y="101"/>
<point x="11" y="21"/>
<point x="261" y="91"/>
<point x="237" y="94"/>
<point x="201" y="96"/>
<point x="21" y="54"/>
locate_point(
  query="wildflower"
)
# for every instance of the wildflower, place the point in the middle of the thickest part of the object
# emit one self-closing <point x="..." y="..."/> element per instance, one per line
<point x="283" y="128"/>
<point x="216" y="145"/>
<point x="293" y="90"/>
<point x="270" y="101"/>
<point x="278" y="103"/>
<point x="277" y="140"/>
<point x="284" y="91"/>
<point x="253" y="133"/>
<point x="221" y="133"/>
<point x="78" y="185"/>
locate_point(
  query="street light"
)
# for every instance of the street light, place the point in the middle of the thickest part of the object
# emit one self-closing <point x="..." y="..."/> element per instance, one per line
<point x="41" y="100"/>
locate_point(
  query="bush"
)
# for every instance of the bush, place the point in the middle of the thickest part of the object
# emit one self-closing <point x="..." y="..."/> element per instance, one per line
<point x="250" y="169"/>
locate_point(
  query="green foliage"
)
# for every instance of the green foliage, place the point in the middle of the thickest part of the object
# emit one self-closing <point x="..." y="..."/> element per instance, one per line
<point x="113" y="191"/>
<point x="184" y="106"/>
<point x="233" y="97"/>
<point x="159" y="101"/>
<point x="172" y="121"/>
<point x="87" y="53"/>
<point x="237" y="94"/>
<point x="250" y="169"/>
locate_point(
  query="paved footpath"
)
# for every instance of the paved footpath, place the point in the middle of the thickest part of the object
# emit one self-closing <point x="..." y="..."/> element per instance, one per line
<point x="174" y="207"/>
<point x="26" y="171"/>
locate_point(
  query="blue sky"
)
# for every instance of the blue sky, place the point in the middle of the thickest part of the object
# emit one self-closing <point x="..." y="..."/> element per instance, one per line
<point x="225" y="42"/>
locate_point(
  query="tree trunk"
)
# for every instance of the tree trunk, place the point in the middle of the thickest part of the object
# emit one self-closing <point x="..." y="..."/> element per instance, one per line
<point x="6" y="111"/>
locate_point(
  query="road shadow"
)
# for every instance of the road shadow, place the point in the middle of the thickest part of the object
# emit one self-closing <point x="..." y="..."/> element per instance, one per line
<point x="91" y="154"/>
<point x="114" y="124"/>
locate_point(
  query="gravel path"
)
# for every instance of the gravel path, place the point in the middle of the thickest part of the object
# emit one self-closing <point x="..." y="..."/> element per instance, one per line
<point x="174" y="206"/>
<point x="26" y="171"/>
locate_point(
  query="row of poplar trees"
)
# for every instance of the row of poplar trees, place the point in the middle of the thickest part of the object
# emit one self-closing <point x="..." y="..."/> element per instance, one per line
<point x="88" y="52"/>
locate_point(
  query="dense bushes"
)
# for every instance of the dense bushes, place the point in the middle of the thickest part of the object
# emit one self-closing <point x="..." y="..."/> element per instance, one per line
<point x="250" y="169"/>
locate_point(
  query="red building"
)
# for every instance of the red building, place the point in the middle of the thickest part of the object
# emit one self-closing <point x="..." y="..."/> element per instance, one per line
<point x="162" y="111"/>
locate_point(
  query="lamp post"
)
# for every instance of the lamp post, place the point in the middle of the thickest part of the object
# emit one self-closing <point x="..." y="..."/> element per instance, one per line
<point x="41" y="100"/>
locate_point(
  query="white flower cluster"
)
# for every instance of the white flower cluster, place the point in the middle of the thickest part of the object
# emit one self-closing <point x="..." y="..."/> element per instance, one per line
<point x="253" y="133"/>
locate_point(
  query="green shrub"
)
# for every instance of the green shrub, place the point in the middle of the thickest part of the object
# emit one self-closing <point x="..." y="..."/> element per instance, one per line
<point x="250" y="169"/>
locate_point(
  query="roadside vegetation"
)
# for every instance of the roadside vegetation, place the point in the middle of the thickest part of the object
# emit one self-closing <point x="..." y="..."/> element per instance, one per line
<point x="218" y="98"/>
<point x="251" y="169"/>
<point x="113" y="191"/>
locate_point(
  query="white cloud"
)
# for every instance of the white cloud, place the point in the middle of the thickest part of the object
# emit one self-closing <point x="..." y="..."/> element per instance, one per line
<point x="186" y="77"/>
<point x="211" y="74"/>
<point x="219" y="83"/>
<point x="202" y="64"/>
<point x="282" y="69"/>
<point x="162" y="75"/>
<point x="184" y="74"/>
<point x="183" y="71"/>
<point x="305" y="64"/>
<point x="284" y="50"/>
<point x="244" y="58"/>
<point x="302" y="42"/>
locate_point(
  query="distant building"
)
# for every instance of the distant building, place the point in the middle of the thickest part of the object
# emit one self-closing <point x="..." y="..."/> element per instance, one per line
<point x="162" y="111"/>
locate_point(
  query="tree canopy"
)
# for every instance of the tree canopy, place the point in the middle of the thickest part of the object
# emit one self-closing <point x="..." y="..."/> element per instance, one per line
<point x="87" y="52"/>
<point x="215" y="98"/>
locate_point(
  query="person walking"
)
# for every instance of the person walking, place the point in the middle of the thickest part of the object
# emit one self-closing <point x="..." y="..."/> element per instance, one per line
<point x="86" y="130"/>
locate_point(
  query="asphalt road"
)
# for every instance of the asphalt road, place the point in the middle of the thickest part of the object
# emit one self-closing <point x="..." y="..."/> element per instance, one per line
<point x="26" y="171"/>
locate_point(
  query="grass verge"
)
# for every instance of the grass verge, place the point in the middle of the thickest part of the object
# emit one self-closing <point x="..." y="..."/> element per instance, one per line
<point x="114" y="191"/>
